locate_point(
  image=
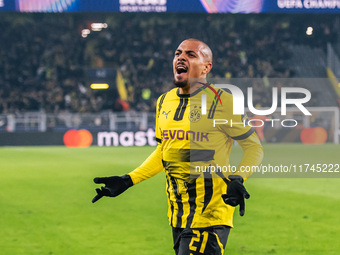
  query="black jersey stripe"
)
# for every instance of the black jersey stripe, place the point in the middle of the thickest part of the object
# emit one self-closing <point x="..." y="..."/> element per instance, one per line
<point x="211" y="109"/>
<point x="181" y="109"/>
<point x="161" y="103"/>
<point x="208" y="186"/>
<point x="178" y="202"/>
<point x="213" y="105"/>
<point x="188" y="155"/>
<point x="192" y="202"/>
<point x="201" y="155"/>
<point x="245" y="135"/>
<point x="171" y="205"/>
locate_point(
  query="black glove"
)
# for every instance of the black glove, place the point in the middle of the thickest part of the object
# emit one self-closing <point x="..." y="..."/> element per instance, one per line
<point x="114" y="186"/>
<point x="236" y="193"/>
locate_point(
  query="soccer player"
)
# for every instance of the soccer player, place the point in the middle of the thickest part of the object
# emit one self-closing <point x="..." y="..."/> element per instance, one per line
<point x="194" y="153"/>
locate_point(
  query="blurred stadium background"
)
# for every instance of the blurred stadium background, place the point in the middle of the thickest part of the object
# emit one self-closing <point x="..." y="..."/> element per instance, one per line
<point x="87" y="73"/>
<point x="52" y="64"/>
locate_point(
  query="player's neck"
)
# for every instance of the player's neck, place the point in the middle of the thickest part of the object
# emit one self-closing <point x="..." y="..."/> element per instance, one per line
<point x="189" y="89"/>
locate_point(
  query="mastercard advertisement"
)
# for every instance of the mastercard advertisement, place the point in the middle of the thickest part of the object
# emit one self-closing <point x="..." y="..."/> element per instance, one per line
<point x="78" y="138"/>
<point x="83" y="138"/>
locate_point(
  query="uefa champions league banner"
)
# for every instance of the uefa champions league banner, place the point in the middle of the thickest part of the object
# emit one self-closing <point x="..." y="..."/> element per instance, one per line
<point x="208" y="6"/>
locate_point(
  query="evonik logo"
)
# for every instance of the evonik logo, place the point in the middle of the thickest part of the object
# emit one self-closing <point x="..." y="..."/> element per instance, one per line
<point x="185" y="135"/>
<point x="238" y="99"/>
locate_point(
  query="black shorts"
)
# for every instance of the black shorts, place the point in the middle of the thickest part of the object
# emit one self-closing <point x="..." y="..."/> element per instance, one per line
<point x="198" y="241"/>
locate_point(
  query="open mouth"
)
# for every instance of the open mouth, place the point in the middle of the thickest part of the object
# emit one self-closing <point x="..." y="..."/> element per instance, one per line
<point x="181" y="69"/>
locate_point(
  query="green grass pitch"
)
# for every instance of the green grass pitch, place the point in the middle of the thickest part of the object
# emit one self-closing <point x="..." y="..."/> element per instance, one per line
<point x="46" y="192"/>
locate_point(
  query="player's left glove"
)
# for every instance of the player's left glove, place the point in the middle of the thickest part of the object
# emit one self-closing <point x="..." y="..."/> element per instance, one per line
<point x="236" y="193"/>
<point x="114" y="186"/>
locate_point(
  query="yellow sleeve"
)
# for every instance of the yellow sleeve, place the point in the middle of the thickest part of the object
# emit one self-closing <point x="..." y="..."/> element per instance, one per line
<point x="150" y="167"/>
<point x="153" y="164"/>
<point x="252" y="155"/>
<point x="158" y="131"/>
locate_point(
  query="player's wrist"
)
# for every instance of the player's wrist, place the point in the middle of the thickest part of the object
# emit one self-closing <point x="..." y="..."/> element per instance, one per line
<point x="127" y="180"/>
<point x="236" y="177"/>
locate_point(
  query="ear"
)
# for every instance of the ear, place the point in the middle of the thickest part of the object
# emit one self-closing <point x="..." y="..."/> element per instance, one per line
<point x="207" y="68"/>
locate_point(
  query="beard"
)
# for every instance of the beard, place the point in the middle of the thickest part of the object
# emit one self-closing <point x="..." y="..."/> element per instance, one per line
<point x="181" y="84"/>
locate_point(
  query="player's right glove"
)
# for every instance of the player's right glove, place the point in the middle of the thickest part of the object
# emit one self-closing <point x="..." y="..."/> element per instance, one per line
<point x="236" y="193"/>
<point x="114" y="186"/>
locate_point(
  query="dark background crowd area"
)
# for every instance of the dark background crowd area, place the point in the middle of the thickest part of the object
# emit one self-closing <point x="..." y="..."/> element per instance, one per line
<point x="44" y="59"/>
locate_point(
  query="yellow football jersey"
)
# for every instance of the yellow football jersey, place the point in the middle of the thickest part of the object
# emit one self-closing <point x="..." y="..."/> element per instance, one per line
<point x="192" y="147"/>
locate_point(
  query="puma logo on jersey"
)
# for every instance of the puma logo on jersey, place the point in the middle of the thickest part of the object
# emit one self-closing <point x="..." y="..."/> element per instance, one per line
<point x="166" y="114"/>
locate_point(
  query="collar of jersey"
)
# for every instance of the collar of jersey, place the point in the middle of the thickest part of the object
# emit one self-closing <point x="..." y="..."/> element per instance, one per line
<point x="188" y="95"/>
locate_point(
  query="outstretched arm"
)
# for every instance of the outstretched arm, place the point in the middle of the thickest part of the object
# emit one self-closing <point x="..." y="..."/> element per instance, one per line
<point x="150" y="167"/>
<point x="115" y="185"/>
